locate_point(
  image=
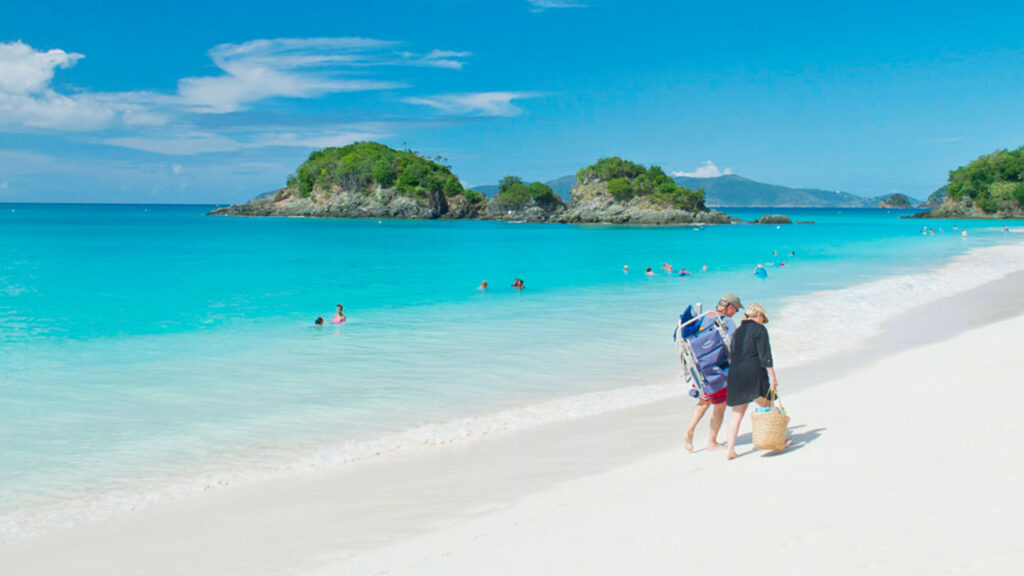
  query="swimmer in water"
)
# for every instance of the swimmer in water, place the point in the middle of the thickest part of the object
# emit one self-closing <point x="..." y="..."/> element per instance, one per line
<point x="704" y="268"/>
<point x="625" y="269"/>
<point x="649" y="272"/>
<point x="319" y="321"/>
<point x="518" y="284"/>
<point x="482" y="286"/>
<point x="339" y="316"/>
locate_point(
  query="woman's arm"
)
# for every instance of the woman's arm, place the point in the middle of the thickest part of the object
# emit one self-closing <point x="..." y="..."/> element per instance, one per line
<point x="764" y="355"/>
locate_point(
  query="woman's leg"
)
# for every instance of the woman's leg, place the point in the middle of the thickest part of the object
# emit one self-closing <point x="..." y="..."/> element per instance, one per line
<point x="735" y="417"/>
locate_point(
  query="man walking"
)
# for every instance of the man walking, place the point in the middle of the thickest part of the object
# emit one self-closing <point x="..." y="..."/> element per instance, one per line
<point x="727" y="307"/>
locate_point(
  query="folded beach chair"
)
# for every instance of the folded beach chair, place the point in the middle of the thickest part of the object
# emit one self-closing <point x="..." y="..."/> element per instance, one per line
<point x="704" y="353"/>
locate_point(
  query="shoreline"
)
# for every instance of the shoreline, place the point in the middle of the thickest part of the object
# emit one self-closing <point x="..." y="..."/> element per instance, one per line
<point x="398" y="496"/>
<point x="880" y="478"/>
<point x="960" y="273"/>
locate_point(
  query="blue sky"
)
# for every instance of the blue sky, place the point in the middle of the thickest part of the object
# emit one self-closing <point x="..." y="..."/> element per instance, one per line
<point x="189" y="101"/>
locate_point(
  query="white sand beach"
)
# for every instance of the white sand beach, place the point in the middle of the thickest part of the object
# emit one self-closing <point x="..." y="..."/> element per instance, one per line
<point x="904" y="460"/>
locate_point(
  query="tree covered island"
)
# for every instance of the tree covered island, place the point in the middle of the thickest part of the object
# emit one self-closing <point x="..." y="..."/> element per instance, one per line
<point x="991" y="186"/>
<point x="371" y="180"/>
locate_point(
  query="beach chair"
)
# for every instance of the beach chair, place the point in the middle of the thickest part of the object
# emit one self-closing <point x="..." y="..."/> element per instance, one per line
<point x="703" y="352"/>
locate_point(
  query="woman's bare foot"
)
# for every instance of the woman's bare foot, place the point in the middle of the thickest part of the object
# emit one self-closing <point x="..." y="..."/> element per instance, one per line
<point x="688" y="442"/>
<point x="716" y="446"/>
<point x="732" y="454"/>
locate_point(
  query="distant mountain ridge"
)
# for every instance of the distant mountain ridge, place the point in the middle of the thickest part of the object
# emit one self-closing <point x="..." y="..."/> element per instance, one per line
<point x="738" y="192"/>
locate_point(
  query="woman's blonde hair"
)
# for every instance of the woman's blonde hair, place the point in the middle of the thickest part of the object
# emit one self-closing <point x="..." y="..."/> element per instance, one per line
<point x="754" y="310"/>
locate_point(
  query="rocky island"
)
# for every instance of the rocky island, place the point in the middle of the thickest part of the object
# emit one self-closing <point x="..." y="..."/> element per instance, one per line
<point x="371" y="180"/>
<point x="990" y="187"/>
<point x="366" y="180"/>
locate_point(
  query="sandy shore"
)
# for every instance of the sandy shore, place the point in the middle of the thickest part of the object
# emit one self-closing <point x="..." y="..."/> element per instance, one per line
<point x="905" y="460"/>
<point x="898" y="468"/>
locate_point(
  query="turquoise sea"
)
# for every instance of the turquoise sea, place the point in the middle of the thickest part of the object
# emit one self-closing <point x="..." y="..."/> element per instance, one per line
<point x="147" y="352"/>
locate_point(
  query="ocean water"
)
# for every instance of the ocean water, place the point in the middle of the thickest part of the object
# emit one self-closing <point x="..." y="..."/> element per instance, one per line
<point x="148" y="352"/>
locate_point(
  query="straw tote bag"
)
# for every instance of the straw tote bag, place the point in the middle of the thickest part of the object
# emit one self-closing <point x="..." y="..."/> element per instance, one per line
<point x="770" y="427"/>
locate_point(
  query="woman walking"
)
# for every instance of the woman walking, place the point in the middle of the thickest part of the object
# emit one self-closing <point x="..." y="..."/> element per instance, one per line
<point x="751" y="371"/>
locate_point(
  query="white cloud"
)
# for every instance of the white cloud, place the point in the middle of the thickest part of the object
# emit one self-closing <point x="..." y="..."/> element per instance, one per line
<point x="251" y="71"/>
<point x="187" y="143"/>
<point x="284" y="67"/>
<point x="27" y="100"/>
<point x="707" y="170"/>
<point x="436" y="59"/>
<point x="541" y="5"/>
<point x="183" y="144"/>
<point x="27" y="71"/>
<point x="482" y="103"/>
<point x="298" y="68"/>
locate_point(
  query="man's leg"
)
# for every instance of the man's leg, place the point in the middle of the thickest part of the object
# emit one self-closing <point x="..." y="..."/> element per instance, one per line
<point x="717" y="415"/>
<point x="735" y="417"/>
<point x="698" y="413"/>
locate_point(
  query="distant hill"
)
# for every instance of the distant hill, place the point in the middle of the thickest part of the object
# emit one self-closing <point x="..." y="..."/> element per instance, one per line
<point x="561" y="186"/>
<point x="487" y="190"/>
<point x="739" y="192"/>
<point x="733" y="190"/>
<point x="935" y="199"/>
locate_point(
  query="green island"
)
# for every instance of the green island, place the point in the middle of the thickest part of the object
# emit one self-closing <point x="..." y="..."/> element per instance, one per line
<point x="895" y="201"/>
<point x="367" y="180"/>
<point x="371" y="180"/>
<point x="991" y="186"/>
<point x="626" y="181"/>
<point x="517" y="200"/>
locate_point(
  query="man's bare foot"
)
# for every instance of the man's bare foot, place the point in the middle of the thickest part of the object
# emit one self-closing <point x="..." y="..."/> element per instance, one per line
<point x="688" y="442"/>
<point x="716" y="446"/>
<point x="732" y="454"/>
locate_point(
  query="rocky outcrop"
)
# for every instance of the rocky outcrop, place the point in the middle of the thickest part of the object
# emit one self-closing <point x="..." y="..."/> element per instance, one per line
<point x="966" y="209"/>
<point x="379" y="203"/>
<point x="532" y="212"/>
<point x="590" y="202"/>
<point x="773" y="219"/>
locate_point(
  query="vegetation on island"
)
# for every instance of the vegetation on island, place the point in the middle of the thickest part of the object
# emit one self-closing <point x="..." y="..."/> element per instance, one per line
<point x="365" y="166"/>
<point x="994" y="182"/>
<point x="370" y="180"/>
<point x="895" y="201"/>
<point x="628" y="180"/>
<point x="514" y="194"/>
